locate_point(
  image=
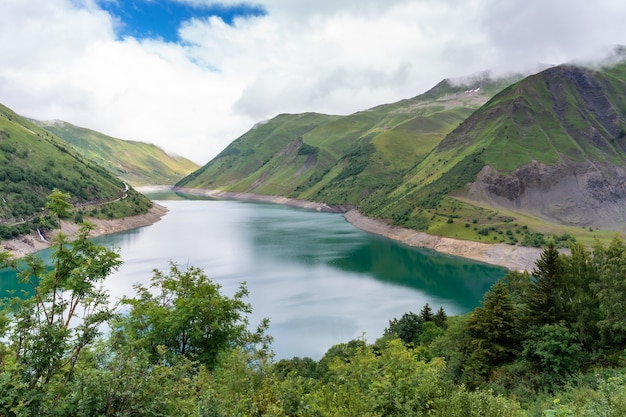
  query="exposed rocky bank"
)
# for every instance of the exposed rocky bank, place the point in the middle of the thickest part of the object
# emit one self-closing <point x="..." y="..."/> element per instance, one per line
<point x="509" y="256"/>
<point x="28" y="244"/>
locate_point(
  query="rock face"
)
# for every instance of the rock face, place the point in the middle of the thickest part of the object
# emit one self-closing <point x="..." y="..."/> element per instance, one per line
<point x="581" y="194"/>
<point x="553" y="146"/>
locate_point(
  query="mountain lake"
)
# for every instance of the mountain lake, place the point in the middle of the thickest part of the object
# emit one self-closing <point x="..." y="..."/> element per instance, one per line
<point x="319" y="280"/>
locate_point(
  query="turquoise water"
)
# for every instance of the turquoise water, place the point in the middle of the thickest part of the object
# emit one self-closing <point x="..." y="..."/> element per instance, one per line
<point x="317" y="278"/>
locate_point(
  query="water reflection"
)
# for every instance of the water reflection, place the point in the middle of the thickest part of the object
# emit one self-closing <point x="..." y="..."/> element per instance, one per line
<point x="320" y="280"/>
<point x="291" y="235"/>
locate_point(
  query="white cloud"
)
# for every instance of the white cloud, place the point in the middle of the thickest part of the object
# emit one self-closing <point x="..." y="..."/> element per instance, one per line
<point x="61" y="60"/>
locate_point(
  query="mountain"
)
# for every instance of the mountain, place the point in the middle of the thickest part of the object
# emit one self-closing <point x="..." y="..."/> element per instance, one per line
<point x="343" y="159"/>
<point x="552" y="146"/>
<point x="137" y="163"/>
<point x="34" y="161"/>
<point x="505" y="160"/>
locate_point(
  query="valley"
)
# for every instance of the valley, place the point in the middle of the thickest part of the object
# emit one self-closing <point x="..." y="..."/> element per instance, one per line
<point x="489" y="169"/>
<point x="517" y="161"/>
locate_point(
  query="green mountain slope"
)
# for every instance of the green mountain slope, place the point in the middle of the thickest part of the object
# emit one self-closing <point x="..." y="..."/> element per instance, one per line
<point x="137" y="163"/>
<point x="342" y="159"/>
<point x="33" y="162"/>
<point x="551" y="146"/>
<point x="546" y="154"/>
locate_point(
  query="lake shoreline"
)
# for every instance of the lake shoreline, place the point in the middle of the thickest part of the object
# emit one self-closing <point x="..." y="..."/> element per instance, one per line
<point x="31" y="243"/>
<point x="516" y="258"/>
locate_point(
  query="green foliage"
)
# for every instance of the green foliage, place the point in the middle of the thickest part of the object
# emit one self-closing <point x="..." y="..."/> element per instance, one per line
<point x="606" y="398"/>
<point x="426" y="313"/>
<point x="544" y="302"/>
<point x="495" y="334"/>
<point x="242" y="385"/>
<point x="610" y="261"/>
<point x="413" y="329"/>
<point x="440" y="318"/>
<point x="304" y="367"/>
<point x="479" y="403"/>
<point x="51" y="329"/>
<point x="59" y="204"/>
<point x="392" y="383"/>
<point x="122" y="381"/>
<point x="408" y="328"/>
<point x="534" y="240"/>
<point x="184" y="313"/>
<point x="554" y="350"/>
<point x="567" y="315"/>
<point x="307" y="149"/>
<point x="578" y="296"/>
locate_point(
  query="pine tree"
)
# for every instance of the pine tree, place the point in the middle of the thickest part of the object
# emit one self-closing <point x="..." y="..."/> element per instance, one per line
<point x="494" y="333"/>
<point x="611" y="292"/>
<point x="545" y="288"/>
<point x="440" y="318"/>
<point x="426" y="313"/>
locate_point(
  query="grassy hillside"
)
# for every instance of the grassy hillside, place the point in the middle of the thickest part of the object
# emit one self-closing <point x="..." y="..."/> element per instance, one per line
<point x="342" y="159"/>
<point x="547" y="152"/>
<point x="137" y="163"/>
<point x="544" y="156"/>
<point x="33" y="162"/>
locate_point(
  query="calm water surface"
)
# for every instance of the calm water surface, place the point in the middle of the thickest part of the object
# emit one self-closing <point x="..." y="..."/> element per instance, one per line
<point x="317" y="278"/>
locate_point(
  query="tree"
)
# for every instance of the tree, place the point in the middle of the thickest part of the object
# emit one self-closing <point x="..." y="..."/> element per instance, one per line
<point x="440" y="318"/>
<point x="118" y="380"/>
<point x="554" y="350"/>
<point x="494" y="333"/>
<point x="519" y="285"/>
<point x="426" y="313"/>
<point x="50" y="326"/>
<point x="185" y="313"/>
<point x="578" y="298"/>
<point x="59" y="204"/>
<point x="544" y="292"/>
<point x="391" y="382"/>
<point x="408" y="328"/>
<point x="611" y="292"/>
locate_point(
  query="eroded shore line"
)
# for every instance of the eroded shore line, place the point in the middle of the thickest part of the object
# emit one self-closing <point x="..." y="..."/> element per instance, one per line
<point x="25" y="245"/>
<point x="517" y="258"/>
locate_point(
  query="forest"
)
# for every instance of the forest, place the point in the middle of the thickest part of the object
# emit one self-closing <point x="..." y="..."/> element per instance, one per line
<point x="549" y="342"/>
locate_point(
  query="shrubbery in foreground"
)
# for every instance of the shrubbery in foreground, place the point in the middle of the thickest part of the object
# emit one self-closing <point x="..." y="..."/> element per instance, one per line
<point x="550" y="342"/>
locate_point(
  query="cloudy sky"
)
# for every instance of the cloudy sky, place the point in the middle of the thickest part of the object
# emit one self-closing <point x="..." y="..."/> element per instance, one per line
<point x="193" y="75"/>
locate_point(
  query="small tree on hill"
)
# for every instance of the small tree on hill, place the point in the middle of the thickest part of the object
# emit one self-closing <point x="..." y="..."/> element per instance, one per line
<point x="59" y="205"/>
